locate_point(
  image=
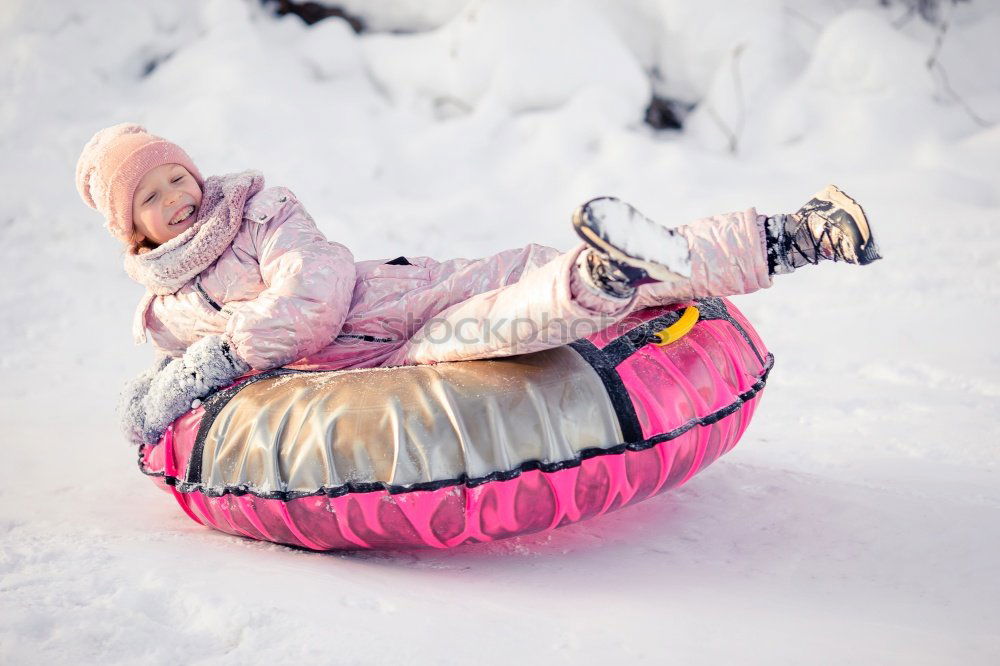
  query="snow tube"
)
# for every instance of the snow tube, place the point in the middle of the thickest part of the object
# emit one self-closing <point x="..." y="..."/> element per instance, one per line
<point x="454" y="453"/>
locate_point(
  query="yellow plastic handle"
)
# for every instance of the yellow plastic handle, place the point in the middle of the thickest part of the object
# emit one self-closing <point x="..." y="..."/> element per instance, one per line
<point x="678" y="329"/>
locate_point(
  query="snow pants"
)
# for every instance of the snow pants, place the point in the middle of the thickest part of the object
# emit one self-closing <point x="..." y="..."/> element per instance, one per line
<point x="548" y="306"/>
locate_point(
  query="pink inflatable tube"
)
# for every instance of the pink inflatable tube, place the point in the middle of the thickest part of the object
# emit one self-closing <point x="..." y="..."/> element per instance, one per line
<point x="444" y="455"/>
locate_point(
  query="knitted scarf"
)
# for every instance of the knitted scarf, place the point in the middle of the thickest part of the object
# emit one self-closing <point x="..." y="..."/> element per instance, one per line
<point x="170" y="266"/>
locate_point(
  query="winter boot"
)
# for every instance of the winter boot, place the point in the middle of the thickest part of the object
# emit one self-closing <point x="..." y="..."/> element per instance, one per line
<point x="831" y="226"/>
<point x="628" y="249"/>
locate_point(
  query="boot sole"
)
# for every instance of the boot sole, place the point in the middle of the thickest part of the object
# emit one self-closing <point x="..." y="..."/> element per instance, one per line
<point x="586" y="223"/>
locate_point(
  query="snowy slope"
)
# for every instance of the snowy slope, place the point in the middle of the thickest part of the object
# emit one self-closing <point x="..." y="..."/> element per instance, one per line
<point x="858" y="520"/>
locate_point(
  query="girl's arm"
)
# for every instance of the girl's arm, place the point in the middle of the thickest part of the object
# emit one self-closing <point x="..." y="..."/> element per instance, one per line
<point x="131" y="409"/>
<point x="310" y="283"/>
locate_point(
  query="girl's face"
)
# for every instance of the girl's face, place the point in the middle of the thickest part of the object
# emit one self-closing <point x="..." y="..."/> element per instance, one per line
<point x="165" y="203"/>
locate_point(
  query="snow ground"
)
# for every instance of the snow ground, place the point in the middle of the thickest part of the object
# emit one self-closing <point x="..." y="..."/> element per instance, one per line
<point x="858" y="520"/>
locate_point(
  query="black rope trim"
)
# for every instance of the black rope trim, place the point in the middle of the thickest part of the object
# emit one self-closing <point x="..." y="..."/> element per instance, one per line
<point x="715" y="308"/>
<point x="213" y="406"/>
<point x="613" y="386"/>
<point x="622" y="347"/>
<point x="471" y="482"/>
<point x="603" y="361"/>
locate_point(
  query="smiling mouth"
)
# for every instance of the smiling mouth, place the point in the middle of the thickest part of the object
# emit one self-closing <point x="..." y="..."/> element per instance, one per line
<point x="183" y="215"/>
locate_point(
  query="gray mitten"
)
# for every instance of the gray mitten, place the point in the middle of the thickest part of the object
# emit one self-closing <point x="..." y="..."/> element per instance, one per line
<point x="130" y="409"/>
<point x="207" y="365"/>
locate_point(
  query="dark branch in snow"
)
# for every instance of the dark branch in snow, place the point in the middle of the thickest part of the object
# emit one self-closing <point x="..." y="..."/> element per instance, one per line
<point x="794" y="13"/>
<point x="314" y="12"/>
<point x="928" y="10"/>
<point x="150" y="65"/>
<point x="936" y="67"/>
<point x="733" y="134"/>
<point x="663" y="113"/>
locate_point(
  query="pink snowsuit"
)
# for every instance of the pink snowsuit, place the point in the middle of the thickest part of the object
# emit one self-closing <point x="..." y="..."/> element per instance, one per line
<point x="286" y="296"/>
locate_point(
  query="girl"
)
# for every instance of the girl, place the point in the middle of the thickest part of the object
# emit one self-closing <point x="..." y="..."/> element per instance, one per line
<point x="239" y="278"/>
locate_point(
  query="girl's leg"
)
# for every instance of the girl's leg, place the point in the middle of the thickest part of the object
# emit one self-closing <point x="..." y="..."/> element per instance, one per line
<point x="736" y="253"/>
<point x="728" y="257"/>
<point x="552" y="305"/>
<point x="547" y="307"/>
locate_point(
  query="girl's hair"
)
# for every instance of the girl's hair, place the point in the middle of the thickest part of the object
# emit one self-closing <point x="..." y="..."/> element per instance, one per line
<point x="139" y="246"/>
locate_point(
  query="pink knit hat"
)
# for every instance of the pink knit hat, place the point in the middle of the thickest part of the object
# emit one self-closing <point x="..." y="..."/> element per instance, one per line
<point x="111" y="166"/>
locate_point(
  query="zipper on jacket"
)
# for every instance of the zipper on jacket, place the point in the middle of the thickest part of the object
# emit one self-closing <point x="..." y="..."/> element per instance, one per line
<point x="201" y="290"/>
<point x="366" y="338"/>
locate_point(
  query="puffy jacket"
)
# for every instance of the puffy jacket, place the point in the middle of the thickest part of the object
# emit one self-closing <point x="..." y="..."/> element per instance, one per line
<point x="284" y="293"/>
<point x="287" y="296"/>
